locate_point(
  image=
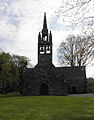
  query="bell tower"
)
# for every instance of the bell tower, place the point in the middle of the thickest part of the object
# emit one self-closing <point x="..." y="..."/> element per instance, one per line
<point x="45" y="45"/>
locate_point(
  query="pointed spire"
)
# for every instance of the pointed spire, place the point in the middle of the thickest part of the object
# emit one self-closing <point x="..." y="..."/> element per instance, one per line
<point x="50" y="37"/>
<point x="50" y="34"/>
<point x="45" y="22"/>
<point x="39" y="37"/>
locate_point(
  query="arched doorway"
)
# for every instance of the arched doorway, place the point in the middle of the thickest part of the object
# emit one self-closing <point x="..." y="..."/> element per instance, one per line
<point x="44" y="89"/>
<point x="73" y="90"/>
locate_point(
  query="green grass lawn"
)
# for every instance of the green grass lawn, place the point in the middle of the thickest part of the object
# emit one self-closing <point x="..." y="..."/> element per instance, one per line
<point x="46" y="108"/>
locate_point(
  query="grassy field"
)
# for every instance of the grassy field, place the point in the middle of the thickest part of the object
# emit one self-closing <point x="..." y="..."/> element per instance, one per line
<point x="46" y="108"/>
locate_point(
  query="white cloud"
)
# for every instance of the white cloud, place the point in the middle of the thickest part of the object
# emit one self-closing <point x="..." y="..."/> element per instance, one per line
<point x="6" y="29"/>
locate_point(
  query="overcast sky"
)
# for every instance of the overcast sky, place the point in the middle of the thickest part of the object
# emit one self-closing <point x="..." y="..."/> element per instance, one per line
<point x="20" y="22"/>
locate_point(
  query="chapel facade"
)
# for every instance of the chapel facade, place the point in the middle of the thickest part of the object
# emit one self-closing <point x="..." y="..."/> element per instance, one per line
<point x="45" y="78"/>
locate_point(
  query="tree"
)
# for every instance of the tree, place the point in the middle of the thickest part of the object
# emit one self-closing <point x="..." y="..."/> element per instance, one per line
<point x="22" y="63"/>
<point x="76" y="51"/>
<point x="11" y="68"/>
<point x="5" y="74"/>
<point x="78" y="13"/>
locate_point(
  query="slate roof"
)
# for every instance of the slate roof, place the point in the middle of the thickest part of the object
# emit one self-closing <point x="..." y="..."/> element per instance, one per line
<point x="72" y="73"/>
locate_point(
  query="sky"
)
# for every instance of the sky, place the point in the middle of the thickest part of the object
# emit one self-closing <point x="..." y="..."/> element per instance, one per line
<point x="22" y="20"/>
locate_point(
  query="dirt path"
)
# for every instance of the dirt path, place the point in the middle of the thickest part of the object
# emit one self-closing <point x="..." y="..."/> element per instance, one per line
<point x="82" y="95"/>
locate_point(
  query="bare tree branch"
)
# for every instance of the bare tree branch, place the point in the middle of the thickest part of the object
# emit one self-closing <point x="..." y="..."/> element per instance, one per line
<point x="76" y="51"/>
<point x="77" y="13"/>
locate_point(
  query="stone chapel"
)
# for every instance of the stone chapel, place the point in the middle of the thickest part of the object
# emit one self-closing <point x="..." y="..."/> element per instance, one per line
<point x="45" y="78"/>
